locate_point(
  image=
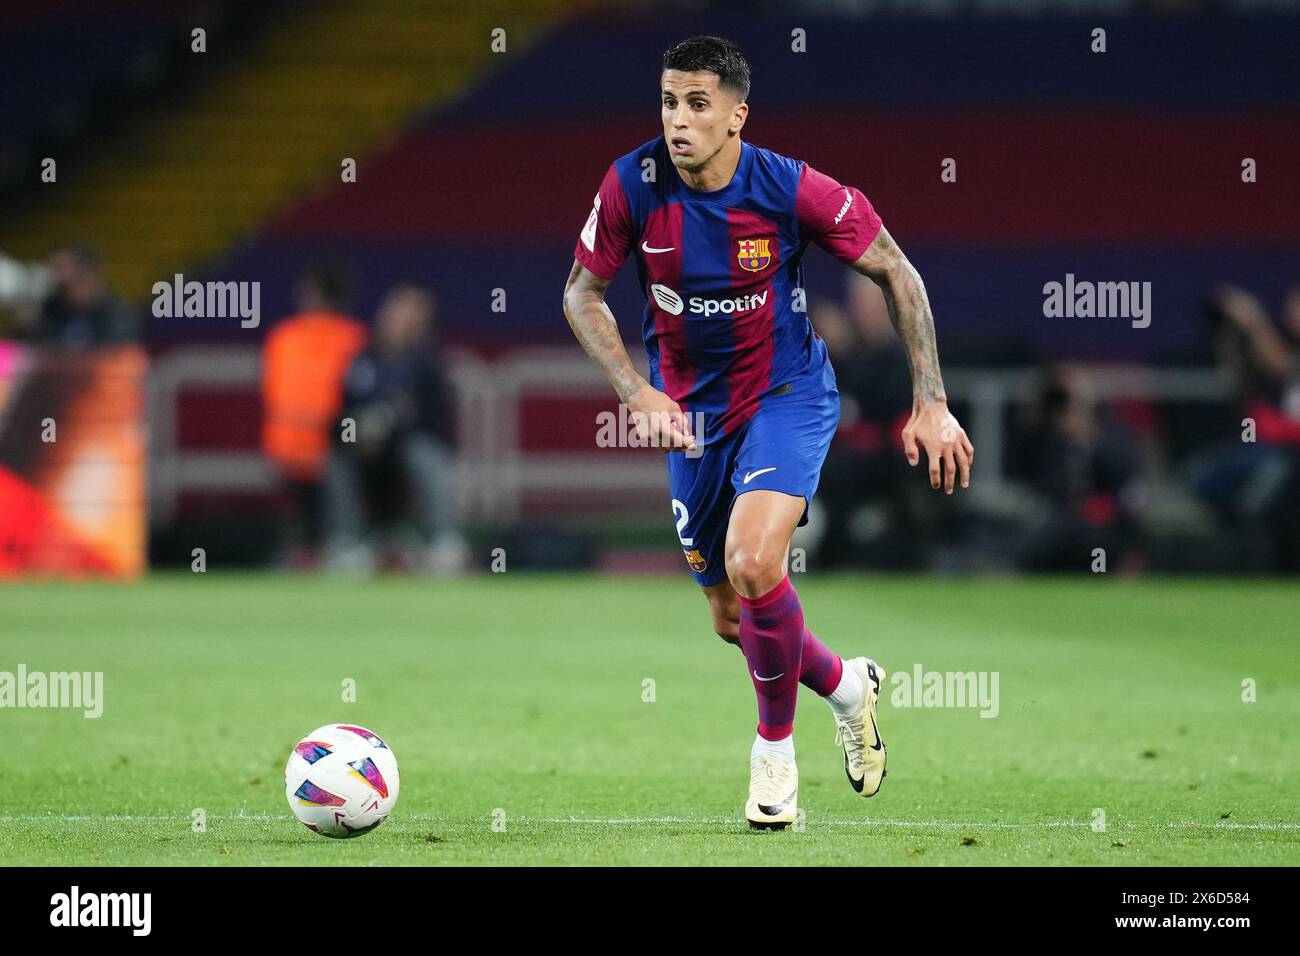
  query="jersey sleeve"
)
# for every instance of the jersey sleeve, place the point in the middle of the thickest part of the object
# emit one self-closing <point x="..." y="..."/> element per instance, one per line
<point x="838" y="218"/>
<point x="607" y="236"/>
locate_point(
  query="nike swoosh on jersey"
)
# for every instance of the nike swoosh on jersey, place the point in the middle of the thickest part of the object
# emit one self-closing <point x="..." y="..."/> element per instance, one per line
<point x="645" y="248"/>
<point x="754" y="474"/>
<point x="766" y="679"/>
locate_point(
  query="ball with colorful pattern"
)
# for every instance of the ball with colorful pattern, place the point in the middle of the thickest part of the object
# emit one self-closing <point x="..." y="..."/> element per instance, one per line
<point x="341" y="780"/>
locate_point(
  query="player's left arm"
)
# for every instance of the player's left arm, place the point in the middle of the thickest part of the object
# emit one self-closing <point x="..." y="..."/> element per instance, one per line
<point x="931" y="426"/>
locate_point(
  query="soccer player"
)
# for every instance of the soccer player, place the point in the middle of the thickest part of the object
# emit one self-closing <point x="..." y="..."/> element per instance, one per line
<point x="741" y="395"/>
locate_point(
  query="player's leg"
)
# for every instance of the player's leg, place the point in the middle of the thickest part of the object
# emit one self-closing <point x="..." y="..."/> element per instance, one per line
<point x="771" y="633"/>
<point x="777" y="471"/>
<point x="838" y="682"/>
<point x="771" y="623"/>
<point x="820" y="670"/>
<point x="702" y="499"/>
<point x="724" y="608"/>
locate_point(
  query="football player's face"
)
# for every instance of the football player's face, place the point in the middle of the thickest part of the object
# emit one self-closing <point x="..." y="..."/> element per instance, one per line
<point x="698" y="118"/>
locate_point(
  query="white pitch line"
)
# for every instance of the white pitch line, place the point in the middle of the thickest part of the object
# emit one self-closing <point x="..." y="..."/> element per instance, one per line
<point x="695" y="821"/>
<point x="928" y="824"/>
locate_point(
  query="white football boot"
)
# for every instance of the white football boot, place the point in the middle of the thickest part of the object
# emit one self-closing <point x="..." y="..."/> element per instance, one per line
<point x="773" y="793"/>
<point x="864" y="751"/>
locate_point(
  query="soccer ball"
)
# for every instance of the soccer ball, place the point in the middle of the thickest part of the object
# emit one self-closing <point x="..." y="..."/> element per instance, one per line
<point x="341" y="781"/>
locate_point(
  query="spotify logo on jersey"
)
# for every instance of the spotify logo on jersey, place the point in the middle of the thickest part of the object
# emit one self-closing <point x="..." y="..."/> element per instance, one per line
<point x="668" y="300"/>
<point x="671" y="302"/>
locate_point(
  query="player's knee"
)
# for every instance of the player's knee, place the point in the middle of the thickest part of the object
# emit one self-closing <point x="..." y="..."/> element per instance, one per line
<point x="754" y="572"/>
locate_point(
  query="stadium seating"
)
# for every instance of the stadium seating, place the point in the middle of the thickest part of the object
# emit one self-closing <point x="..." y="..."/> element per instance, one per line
<point x="491" y="191"/>
<point x="186" y="180"/>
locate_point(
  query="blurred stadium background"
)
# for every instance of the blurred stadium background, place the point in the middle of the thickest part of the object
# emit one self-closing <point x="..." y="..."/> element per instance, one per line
<point x="474" y="171"/>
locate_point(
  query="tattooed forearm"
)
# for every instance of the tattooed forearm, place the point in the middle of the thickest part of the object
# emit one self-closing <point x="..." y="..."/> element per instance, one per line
<point x="594" y="325"/>
<point x="909" y="311"/>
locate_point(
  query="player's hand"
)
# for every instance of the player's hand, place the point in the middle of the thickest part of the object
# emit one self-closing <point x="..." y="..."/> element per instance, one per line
<point x="935" y="429"/>
<point x="660" y="422"/>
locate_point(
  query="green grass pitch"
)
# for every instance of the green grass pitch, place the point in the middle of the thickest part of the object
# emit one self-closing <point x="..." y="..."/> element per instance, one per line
<point x="518" y="699"/>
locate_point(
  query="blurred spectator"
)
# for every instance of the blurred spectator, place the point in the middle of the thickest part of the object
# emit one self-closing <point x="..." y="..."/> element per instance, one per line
<point x="1084" y="467"/>
<point x="23" y="287"/>
<point x="1256" y="480"/>
<point x="80" y="311"/>
<point x="398" y="393"/>
<point x="304" y="359"/>
<point x="862" y="483"/>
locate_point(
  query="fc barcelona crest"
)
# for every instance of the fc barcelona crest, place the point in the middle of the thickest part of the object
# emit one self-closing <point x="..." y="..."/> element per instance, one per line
<point x="754" y="254"/>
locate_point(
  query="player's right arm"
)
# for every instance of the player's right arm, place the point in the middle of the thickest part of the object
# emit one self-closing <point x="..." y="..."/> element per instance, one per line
<point x="604" y="243"/>
<point x="658" y="419"/>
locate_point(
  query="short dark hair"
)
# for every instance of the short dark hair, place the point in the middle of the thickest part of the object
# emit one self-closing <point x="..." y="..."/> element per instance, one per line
<point x="712" y="55"/>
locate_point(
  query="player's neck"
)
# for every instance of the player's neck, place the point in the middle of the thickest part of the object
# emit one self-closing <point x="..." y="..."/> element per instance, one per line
<point x="718" y="172"/>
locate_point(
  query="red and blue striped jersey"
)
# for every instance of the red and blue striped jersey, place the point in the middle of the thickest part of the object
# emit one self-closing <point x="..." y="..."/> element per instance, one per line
<point x="725" y="319"/>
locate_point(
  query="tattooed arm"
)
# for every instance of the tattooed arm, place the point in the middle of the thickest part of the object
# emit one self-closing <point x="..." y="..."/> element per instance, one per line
<point x="909" y="310"/>
<point x="931" y="426"/>
<point x="657" y="417"/>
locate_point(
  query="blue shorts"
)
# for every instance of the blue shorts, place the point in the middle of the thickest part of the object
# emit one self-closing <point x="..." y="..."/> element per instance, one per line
<point x="781" y="448"/>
